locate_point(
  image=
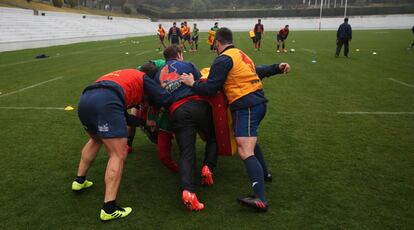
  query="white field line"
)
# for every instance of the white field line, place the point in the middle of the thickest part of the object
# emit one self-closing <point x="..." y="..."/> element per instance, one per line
<point x="37" y="108"/>
<point x="31" y="86"/>
<point x="144" y="52"/>
<point x="309" y="50"/>
<point x="376" y="113"/>
<point x="400" y="82"/>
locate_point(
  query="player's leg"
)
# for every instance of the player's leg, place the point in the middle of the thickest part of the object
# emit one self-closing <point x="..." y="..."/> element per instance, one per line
<point x="184" y="126"/>
<point x="88" y="155"/>
<point x="164" y="146"/>
<point x="87" y="115"/>
<point x="260" y="157"/>
<point x="346" y="48"/>
<point x="206" y="126"/>
<point x="245" y="130"/>
<point x="117" y="153"/>
<point x="278" y="44"/>
<point x="259" y="38"/>
<point x="338" y="47"/>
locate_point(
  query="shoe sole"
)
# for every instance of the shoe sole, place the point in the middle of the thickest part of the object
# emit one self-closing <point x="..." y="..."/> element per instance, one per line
<point x="251" y="207"/>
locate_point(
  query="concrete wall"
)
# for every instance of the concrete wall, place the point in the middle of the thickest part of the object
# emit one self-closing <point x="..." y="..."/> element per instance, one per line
<point x="21" y="29"/>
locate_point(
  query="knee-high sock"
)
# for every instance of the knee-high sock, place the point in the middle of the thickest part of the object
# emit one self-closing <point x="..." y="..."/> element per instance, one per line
<point x="259" y="155"/>
<point x="255" y="171"/>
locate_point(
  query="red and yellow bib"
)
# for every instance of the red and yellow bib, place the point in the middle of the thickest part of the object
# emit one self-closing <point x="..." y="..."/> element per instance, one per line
<point x="132" y="83"/>
<point x="242" y="78"/>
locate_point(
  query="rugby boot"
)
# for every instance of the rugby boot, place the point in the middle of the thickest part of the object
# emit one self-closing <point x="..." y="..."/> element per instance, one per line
<point x="76" y="186"/>
<point x="206" y="176"/>
<point x="191" y="202"/>
<point x="254" y="203"/>
<point x="118" y="213"/>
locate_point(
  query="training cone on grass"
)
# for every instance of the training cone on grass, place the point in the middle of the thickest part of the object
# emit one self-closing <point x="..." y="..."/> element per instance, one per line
<point x="69" y="108"/>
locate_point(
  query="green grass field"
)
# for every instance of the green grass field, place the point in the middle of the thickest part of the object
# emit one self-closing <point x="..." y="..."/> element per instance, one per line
<point x="331" y="170"/>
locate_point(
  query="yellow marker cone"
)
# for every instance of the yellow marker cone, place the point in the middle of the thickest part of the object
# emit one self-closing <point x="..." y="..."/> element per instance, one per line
<point x="69" y="108"/>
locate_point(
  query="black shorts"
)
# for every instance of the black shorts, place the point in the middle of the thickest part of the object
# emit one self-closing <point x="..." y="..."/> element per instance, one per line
<point x="280" y="38"/>
<point x="195" y="39"/>
<point x="101" y="111"/>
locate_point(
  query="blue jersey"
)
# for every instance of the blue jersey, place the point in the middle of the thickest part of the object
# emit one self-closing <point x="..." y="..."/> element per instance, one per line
<point x="168" y="78"/>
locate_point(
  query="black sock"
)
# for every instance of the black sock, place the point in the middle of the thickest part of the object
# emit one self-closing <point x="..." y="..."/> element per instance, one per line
<point x="278" y="47"/>
<point x="259" y="155"/>
<point x="109" y="207"/>
<point x="283" y="46"/>
<point x="255" y="172"/>
<point x="80" y="179"/>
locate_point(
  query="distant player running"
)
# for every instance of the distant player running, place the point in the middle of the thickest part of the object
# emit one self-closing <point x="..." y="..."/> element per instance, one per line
<point x="161" y="35"/>
<point x="281" y="37"/>
<point x="174" y="34"/>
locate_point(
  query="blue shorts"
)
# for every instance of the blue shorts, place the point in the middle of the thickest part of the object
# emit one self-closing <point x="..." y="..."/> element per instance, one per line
<point x="246" y="121"/>
<point x="102" y="113"/>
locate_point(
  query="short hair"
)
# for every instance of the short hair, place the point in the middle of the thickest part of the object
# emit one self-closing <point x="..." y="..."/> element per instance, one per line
<point x="345" y="19"/>
<point x="174" y="23"/>
<point x="150" y="69"/>
<point x="224" y="36"/>
<point x="259" y="20"/>
<point x="216" y="23"/>
<point x="171" y="52"/>
<point x="287" y="26"/>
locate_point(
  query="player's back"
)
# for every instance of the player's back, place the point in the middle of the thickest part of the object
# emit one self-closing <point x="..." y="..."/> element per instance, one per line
<point x="169" y="78"/>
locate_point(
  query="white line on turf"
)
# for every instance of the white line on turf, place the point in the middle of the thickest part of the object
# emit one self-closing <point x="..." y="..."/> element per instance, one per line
<point x="400" y="82"/>
<point x="31" y="86"/>
<point x="38" y="108"/>
<point x="309" y="50"/>
<point x="139" y="54"/>
<point x="376" y="113"/>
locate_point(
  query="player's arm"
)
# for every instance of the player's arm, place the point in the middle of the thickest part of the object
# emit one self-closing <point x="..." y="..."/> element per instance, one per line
<point x="216" y="78"/>
<point x="264" y="71"/>
<point x="158" y="95"/>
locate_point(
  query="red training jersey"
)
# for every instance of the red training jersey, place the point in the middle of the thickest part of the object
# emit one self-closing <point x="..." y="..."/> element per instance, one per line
<point x="131" y="82"/>
<point x="284" y="32"/>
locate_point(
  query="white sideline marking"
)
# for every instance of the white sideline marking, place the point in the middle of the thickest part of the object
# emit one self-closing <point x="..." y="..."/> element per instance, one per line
<point x="38" y="108"/>
<point x="400" y="82"/>
<point x="376" y="113"/>
<point x="31" y="86"/>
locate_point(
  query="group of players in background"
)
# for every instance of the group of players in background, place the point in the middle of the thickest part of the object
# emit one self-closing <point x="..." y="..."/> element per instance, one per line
<point x="181" y="36"/>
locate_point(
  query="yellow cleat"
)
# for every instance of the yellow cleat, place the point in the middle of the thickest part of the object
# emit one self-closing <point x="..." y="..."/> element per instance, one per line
<point x="119" y="213"/>
<point x="77" y="186"/>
